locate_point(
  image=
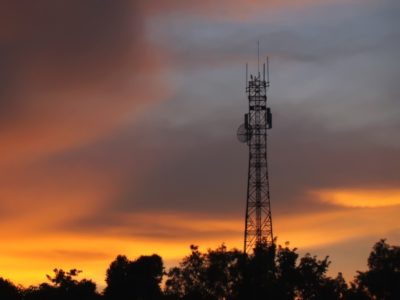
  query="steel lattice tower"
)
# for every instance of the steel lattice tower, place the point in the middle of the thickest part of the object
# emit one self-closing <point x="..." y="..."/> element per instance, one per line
<point x="258" y="223"/>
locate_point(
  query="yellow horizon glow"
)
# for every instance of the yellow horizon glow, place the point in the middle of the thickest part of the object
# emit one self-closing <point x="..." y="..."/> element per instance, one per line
<point x="30" y="255"/>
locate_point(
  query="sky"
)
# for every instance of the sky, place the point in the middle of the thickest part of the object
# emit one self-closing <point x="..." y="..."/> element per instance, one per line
<point x="118" y="129"/>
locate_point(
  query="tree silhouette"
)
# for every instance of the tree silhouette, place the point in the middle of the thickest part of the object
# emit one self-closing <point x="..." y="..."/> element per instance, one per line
<point x="259" y="270"/>
<point x="63" y="286"/>
<point x="287" y="274"/>
<point x="268" y="273"/>
<point x="355" y="292"/>
<point x="8" y="290"/>
<point x="312" y="276"/>
<point x="138" y="279"/>
<point x="223" y="272"/>
<point x="382" y="280"/>
<point x="213" y="275"/>
<point x="188" y="280"/>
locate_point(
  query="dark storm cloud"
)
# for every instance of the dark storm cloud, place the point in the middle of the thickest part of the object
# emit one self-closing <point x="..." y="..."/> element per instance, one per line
<point x="70" y="71"/>
<point x="65" y="42"/>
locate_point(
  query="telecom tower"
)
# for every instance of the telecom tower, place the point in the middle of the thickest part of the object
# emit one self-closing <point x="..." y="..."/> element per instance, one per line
<point x="253" y="132"/>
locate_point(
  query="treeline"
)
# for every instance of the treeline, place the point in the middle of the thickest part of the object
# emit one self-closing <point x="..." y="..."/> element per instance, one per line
<point x="268" y="273"/>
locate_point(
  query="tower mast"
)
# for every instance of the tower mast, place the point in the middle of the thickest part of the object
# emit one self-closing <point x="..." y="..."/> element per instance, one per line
<point x="258" y="219"/>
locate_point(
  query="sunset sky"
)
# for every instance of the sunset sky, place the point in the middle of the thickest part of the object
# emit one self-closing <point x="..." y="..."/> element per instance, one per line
<point x="118" y="129"/>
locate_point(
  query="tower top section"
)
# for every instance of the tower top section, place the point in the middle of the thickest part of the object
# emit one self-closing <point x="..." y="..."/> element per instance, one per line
<point x="259" y="79"/>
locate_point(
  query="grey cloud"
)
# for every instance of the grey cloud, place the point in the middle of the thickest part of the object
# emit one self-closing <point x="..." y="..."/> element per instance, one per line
<point x="182" y="170"/>
<point x="324" y="33"/>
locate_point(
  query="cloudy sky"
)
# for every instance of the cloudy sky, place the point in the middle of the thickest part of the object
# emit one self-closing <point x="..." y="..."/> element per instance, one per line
<point x="118" y="123"/>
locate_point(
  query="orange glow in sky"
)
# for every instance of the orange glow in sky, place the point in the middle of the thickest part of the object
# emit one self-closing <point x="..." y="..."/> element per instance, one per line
<point x="360" y="197"/>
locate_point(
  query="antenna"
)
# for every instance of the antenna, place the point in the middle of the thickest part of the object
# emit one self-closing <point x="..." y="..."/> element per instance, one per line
<point x="264" y="72"/>
<point x="258" y="57"/>
<point x="268" y="70"/>
<point x="247" y="71"/>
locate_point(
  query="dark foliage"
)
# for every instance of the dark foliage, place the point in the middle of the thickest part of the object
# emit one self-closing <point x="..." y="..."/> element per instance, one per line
<point x="382" y="280"/>
<point x="8" y="290"/>
<point x="269" y="273"/>
<point x="139" y="279"/>
<point x="63" y="286"/>
<point x="213" y="275"/>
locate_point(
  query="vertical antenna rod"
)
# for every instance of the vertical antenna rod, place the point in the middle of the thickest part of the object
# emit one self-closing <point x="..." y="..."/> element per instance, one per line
<point x="264" y="72"/>
<point x="258" y="57"/>
<point x="247" y="76"/>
